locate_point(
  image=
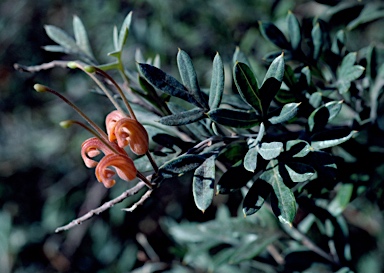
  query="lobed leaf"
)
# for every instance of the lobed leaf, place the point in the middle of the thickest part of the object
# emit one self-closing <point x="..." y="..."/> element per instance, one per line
<point x="234" y="118"/>
<point x="189" y="77"/>
<point x="183" y="118"/>
<point x="217" y="83"/>
<point x="203" y="184"/>
<point x="287" y="112"/>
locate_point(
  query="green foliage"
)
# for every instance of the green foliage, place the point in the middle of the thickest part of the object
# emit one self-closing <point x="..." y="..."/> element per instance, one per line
<point x="281" y="137"/>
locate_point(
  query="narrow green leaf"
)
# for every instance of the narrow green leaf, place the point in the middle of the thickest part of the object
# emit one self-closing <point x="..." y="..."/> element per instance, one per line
<point x="56" y="48"/>
<point x="298" y="148"/>
<point x="287" y="112"/>
<point x="274" y="34"/>
<point x="369" y="13"/>
<point x="109" y="66"/>
<point x="234" y="118"/>
<point x="123" y="34"/>
<point x="62" y="38"/>
<point x="203" y="184"/>
<point x="270" y="150"/>
<point x="217" y="83"/>
<point x="285" y="197"/>
<point x="318" y="145"/>
<point x="294" y="30"/>
<point x="276" y="69"/>
<point x="166" y="83"/>
<point x="255" y="197"/>
<point x="189" y="77"/>
<point x="299" y="172"/>
<point x="183" y="117"/>
<point x="260" y="133"/>
<point x="81" y="36"/>
<point x="247" y="85"/>
<point x="116" y="39"/>
<point x="180" y="165"/>
<point x="317" y="40"/>
<point x="250" y="159"/>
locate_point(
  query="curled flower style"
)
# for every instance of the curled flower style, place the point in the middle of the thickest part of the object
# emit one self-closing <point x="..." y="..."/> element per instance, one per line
<point x="127" y="131"/>
<point x="130" y="132"/>
<point x="123" y="165"/>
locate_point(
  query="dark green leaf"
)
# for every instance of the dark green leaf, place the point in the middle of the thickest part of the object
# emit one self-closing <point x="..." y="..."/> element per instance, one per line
<point x="233" y="179"/>
<point x="181" y="165"/>
<point x="298" y="148"/>
<point x="234" y="118"/>
<point x="273" y="34"/>
<point x="217" y="83"/>
<point x="320" y="117"/>
<point x="294" y="30"/>
<point x="287" y="112"/>
<point x="318" y="145"/>
<point x="299" y="172"/>
<point x="166" y="83"/>
<point x="272" y="82"/>
<point x="270" y="150"/>
<point x="81" y="36"/>
<point x="255" y="197"/>
<point x="203" y="184"/>
<point x="285" y="197"/>
<point x="183" y="117"/>
<point x="341" y="200"/>
<point x="317" y="39"/>
<point x="189" y="77"/>
<point x="247" y="85"/>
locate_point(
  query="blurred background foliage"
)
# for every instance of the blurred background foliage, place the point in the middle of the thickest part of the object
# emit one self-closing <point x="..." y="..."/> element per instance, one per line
<point x="43" y="182"/>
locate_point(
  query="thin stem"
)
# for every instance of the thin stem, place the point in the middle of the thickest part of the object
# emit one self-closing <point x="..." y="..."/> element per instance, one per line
<point x="121" y="93"/>
<point x="93" y="132"/>
<point x="102" y="87"/>
<point x="144" y="179"/>
<point x="152" y="161"/>
<point x="77" y="109"/>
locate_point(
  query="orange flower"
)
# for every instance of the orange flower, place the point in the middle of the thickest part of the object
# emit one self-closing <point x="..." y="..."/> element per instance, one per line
<point x="127" y="131"/>
<point x="123" y="165"/>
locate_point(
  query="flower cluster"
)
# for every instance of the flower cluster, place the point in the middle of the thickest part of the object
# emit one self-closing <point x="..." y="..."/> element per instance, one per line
<point x="122" y="131"/>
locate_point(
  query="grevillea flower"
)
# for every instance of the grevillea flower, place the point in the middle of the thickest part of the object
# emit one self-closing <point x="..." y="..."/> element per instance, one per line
<point x="115" y="158"/>
<point x="127" y="131"/>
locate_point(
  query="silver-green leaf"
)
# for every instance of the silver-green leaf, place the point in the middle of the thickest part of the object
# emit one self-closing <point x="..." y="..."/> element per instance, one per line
<point x="270" y="150"/>
<point x="203" y="184"/>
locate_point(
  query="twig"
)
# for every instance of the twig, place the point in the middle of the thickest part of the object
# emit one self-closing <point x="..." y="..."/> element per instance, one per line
<point x="105" y="206"/>
<point x="140" y="202"/>
<point x="37" y="68"/>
